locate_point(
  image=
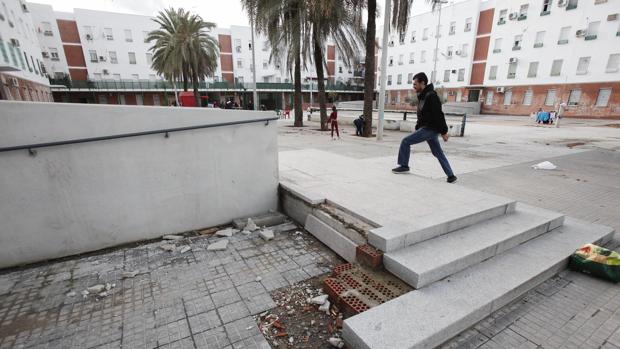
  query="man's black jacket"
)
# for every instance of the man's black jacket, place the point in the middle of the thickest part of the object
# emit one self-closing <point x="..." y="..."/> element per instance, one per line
<point x="429" y="111"/>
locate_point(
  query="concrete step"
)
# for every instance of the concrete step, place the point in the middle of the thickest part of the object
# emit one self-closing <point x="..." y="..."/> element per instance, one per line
<point x="427" y="317"/>
<point x="392" y="238"/>
<point x="426" y="262"/>
<point x="332" y="238"/>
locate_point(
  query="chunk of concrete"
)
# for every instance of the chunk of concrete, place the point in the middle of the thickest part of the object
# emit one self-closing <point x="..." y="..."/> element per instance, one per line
<point x="129" y="274"/>
<point x="228" y="232"/>
<point x="172" y="237"/>
<point x="318" y="300"/>
<point x="96" y="288"/>
<point x="250" y="225"/>
<point x="185" y="249"/>
<point x="325" y="307"/>
<point x="336" y="342"/>
<point x="284" y="227"/>
<point x="263" y="220"/>
<point x="220" y="245"/>
<point x="267" y="234"/>
<point x="168" y="247"/>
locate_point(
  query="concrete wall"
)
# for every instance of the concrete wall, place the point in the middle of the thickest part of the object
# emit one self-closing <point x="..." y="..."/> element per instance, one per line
<point x="84" y="197"/>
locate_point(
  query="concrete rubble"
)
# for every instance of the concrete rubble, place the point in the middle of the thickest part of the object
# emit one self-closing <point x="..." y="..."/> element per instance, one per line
<point x="220" y="245"/>
<point x="336" y="342"/>
<point x="168" y="247"/>
<point x="267" y="234"/>
<point x="129" y="274"/>
<point x="250" y="225"/>
<point x="96" y="288"/>
<point x="318" y="300"/>
<point x="228" y="232"/>
<point x="185" y="249"/>
<point x="172" y="237"/>
<point x="264" y="220"/>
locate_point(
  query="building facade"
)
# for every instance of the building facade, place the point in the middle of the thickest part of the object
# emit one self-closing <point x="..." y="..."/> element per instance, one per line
<point x="519" y="56"/>
<point x="23" y="74"/>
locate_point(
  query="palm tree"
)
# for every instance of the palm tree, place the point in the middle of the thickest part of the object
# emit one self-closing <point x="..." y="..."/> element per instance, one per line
<point x="183" y="48"/>
<point x="339" y="20"/>
<point x="284" y="22"/>
<point x="400" y="19"/>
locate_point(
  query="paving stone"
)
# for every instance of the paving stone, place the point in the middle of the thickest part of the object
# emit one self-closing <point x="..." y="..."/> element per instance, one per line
<point x="241" y="329"/>
<point x="232" y="312"/>
<point x="225" y="297"/>
<point x="212" y="339"/>
<point x="204" y="321"/>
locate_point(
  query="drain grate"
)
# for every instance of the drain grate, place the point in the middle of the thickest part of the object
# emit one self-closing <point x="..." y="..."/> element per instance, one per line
<point x="356" y="290"/>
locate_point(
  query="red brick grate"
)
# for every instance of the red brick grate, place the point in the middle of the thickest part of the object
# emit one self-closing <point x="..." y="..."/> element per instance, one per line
<point x="354" y="289"/>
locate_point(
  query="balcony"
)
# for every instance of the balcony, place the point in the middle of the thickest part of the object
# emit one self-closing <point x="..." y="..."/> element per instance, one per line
<point x="497" y="50"/>
<point x="511" y="75"/>
<point x="538" y="45"/>
<point x="563" y="42"/>
<point x="590" y="37"/>
<point x="516" y="48"/>
<point x="501" y="21"/>
<point x="571" y="7"/>
<point x="545" y="13"/>
<point x="522" y="17"/>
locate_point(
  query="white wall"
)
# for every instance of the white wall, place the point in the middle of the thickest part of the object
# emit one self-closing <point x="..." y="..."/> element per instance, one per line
<point x="45" y="13"/>
<point x="599" y="50"/>
<point x="24" y="31"/>
<point x="83" y="197"/>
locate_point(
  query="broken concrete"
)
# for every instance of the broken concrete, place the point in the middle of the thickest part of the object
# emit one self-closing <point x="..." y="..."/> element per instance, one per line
<point x="168" y="247"/>
<point x="336" y="342"/>
<point x="228" y="232"/>
<point x="185" y="249"/>
<point x="267" y="234"/>
<point x="264" y="220"/>
<point x="96" y="288"/>
<point x="172" y="237"/>
<point x="318" y="300"/>
<point x="325" y="307"/>
<point x="129" y="274"/>
<point x="220" y="245"/>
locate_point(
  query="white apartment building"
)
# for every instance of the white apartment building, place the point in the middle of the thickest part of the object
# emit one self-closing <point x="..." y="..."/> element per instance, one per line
<point x="49" y="39"/>
<point x="519" y="56"/>
<point x="22" y="69"/>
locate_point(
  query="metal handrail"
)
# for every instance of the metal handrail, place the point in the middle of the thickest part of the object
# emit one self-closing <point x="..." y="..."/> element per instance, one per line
<point x="167" y="131"/>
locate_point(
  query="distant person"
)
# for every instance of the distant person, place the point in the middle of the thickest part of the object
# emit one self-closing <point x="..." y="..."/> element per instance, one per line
<point x="333" y="119"/>
<point x="263" y="108"/>
<point x="542" y="117"/>
<point x="250" y="105"/>
<point x="431" y="123"/>
<point x="359" y="125"/>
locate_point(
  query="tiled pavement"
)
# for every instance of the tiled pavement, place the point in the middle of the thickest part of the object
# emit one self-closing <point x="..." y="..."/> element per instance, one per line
<point x="199" y="299"/>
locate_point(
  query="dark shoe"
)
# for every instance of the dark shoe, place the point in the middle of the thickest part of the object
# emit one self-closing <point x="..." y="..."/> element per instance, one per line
<point x="401" y="169"/>
<point x="451" y="179"/>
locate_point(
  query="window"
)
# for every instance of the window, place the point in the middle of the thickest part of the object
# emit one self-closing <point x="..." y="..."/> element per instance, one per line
<point x="582" y="66"/>
<point x="132" y="57"/>
<point x="122" y="99"/>
<point x="564" y="32"/>
<point x="103" y="99"/>
<point x="139" y="99"/>
<point x="592" y="30"/>
<point x="533" y="70"/>
<point x="108" y="33"/>
<point x="574" y="97"/>
<point x="238" y="45"/>
<point x="464" y="50"/>
<point x="612" y="63"/>
<point x="389" y="80"/>
<point x="603" y="97"/>
<point x="452" y="28"/>
<point x="128" y="36"/>
<point x="410" y="78"/>
<point x="113" y="58"/>
<point x="493" y="72"/>
<point x="54" y="54"/>
<point x="572" y="4"/>
<point x="413" y="36"/>
<point x="401" y="38"/>
<point x="93" y="56"/>
<point x="97" y="76"/>
<point x="149" y="58"/>
<point x="400" y="59"/>
<point x="240" y="63"/>
<point x="340" y="69"/>
<point x="390" y="61"/>
<point x="399" y="79"/>
<point x="117" y="77"/>
<point x="89" y="32"/>
<point x="47" y="28"/>
<point x="446" y="75"/>
<point x="527" y="97"/>
<point x="145" y="36"/>
<point x="152" y="77"/>
<point x="461" y="76"/>
<point x="156" y="100"/>
<point x="265" y="64"/>
<point x="550" y="99"/>
<point x="425" y="34"/>
<point x="489" y="99"/>
<point x="508" y="97"/>
<point x="523" y="11"/>
<point x="468" y="24"/>
<point x="265" y="45"/>
<point x="502" y="17"/>
<point x="540" y="38"/>
<point x="411" y="58"/>
<point x="512" y="70"/>
<point x="556" y="67"/>
<point x="546" y="9"/>
<point x="517" y="42"/>
<point x="497" y="46"/>
<point x="423" y="56"/>
<point x="449" y="52"/>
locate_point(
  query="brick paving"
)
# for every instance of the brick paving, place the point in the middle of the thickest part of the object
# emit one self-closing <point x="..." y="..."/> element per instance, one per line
<point x="570" y="310"/>
<point x="198" y="299"/>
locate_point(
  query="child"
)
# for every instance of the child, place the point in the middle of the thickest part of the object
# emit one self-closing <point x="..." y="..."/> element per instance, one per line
<point x="333" y="118"/>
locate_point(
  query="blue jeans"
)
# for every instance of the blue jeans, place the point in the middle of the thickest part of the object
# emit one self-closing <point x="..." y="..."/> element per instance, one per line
<point x="419" y="136"/>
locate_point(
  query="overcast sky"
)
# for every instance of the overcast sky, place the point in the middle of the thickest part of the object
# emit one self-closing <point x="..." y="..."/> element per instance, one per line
<point x="210" y="10"/>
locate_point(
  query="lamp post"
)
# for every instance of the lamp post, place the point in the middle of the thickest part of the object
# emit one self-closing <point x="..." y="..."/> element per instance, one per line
<point x="436" y="54"/>
<point x="255" y="93"/>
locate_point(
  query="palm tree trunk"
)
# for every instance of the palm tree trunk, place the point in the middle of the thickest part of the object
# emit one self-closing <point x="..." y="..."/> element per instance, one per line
<point x="299" y="113"/>
<point x="369" y="74"/>
<point x="195" y="85"/>
<point x="318" y="62"/>
<point x="185" y="78"/>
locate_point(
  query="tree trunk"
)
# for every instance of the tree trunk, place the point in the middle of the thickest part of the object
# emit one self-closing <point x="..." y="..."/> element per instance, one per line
<point x="185" y="78"/>
<point x="318" y="62"/>
<point x="299" y="113"/>
<point x="195" y="83"/>
<point x="369" y="74"/>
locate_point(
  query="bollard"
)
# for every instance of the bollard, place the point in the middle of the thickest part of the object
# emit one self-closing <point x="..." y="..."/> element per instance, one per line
<point x="463" y="125"/>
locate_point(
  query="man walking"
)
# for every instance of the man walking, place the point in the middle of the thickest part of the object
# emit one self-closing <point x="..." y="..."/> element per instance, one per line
<point x="431" y="123"/>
